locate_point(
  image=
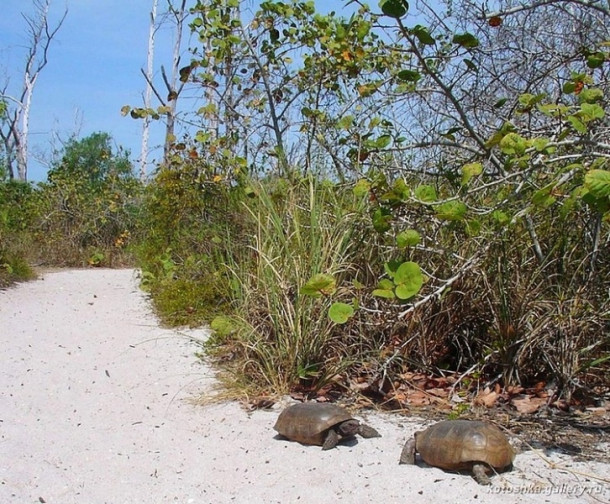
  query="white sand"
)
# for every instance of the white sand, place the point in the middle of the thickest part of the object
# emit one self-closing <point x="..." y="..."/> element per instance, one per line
<point x="93" y="410"/>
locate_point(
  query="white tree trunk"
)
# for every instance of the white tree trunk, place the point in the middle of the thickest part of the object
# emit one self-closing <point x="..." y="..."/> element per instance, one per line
<point x="170" y="136"/>
<point x="148" y="92"/>
<point x="22" y="148"/>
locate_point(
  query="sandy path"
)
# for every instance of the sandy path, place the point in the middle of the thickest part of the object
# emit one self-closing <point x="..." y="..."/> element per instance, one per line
<point x="93" y="410"/>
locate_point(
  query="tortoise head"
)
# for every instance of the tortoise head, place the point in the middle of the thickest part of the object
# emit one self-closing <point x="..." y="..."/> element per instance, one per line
<point x="349" y="428"/>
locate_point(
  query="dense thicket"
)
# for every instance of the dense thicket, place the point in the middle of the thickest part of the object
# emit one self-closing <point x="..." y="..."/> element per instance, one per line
<point x="407" y="189"/>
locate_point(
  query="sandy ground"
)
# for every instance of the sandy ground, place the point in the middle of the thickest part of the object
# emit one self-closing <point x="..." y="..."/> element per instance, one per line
<point x="94" y="408"/>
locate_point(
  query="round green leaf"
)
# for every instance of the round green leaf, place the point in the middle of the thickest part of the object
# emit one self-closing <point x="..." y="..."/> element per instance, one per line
<point x="513" y="143"/>
<point x="340" y="313"/>
<point x="500" y="217"/>
<point x="385" y="289"/>
<point x="381" y="220"/>
<point x="543" y="198"/>
<point x="383" y="141"/>
<point x="577" y="124"/>
<point x="596" y="60"/>
<point x="467" y="40"/>
<point x="274" y="35"/>
<point x="394" y="8"/>
<point x="569" y="87"/>
<point x="451" y="211"/>
<point x="362" y="188"/>
<point x="408" y="280"/>
<point x="318" y="285"/>
<point x="384" y="293"/>
<point x="598" y="183"/>
<point x="590" y="111"/>
<point x="408" y="238"/>
<point x="590" y="95"/>
<point x="409" y="75"/>
<point x="471" y="170"/>
<point x="423" y="35"/>
<point x="425" y="193"/>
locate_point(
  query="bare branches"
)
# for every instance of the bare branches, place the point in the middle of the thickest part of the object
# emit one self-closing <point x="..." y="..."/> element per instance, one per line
<point x="15" y="130"/>
<point x="592" y="4"/>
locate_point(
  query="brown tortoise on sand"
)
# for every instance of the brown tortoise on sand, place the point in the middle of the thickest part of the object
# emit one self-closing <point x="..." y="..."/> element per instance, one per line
<point x="320" y="424"/>
<point x="457" y="445"/>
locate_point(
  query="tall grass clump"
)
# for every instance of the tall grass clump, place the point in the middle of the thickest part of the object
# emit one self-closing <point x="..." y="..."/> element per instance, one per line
<point x="283" y="336"/>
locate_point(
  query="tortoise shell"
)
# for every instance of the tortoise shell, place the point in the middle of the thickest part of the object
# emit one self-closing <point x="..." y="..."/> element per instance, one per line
<point x="459" y="444"/>
<point x="320" y="424"/>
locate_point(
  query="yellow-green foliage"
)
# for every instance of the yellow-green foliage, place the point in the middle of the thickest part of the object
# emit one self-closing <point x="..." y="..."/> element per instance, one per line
<point x="87" y="212"/>
<point x="187" y="224"/>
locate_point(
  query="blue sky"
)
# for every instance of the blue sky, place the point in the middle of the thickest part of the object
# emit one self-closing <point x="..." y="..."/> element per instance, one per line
<point x="93" y="70"/>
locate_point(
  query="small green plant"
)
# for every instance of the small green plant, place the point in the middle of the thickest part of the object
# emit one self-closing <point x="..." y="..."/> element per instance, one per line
<point x="405" y="281"/>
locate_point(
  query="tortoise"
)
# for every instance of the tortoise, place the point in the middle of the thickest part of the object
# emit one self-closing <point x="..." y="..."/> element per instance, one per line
<point x="320" y="424"/>
<point x="457" y="445"/>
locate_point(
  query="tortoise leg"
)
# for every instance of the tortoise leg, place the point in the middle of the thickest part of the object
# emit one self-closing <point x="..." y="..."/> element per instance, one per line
<point x="366" y="431"/>
<point x="407" y="456"/>
<point x="332" y="438"/>
<point x="480" y="474"/>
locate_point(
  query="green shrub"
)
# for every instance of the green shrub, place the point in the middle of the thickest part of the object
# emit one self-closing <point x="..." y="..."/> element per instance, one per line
<point x="188" y="225"/>
<point x="16" y="217"/>
<point x="88" y="210"/>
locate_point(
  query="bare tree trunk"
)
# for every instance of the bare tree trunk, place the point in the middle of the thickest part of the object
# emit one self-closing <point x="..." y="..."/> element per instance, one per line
<point x="177" y="74"/>
<point x="148" y="92"/>
<point x="22" y="146"/>
<point x="15" y="139"/>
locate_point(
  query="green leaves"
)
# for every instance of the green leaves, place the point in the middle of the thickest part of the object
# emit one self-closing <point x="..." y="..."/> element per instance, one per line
<point x="423" y="35"/>
<point x="425" y="193"/>
<point x="382" y="217"/>
<point x="469" y="171"/>
<point x="513" y="144"/>
<point x="323" y="285"/>
<point x="361" y="188"/>
<point x="394" y="8"/>
<point x="591" y="111"/>
<point x="597" y="59"/>
<point x="408" y="280"/>
<point x="597" y="182"/>
<point x="408" y="238"/>
<point x="404" y="283"/>
<point x="319" y="285"/>
<point x="340" y="313"/>
<point x="591" y="95"/>
<point x="409" y="75"/>
<point x="466" y="40"/>
<point x="451" y="211"/>
<point x="543" y="198"/>
<point x="588" y="112"/>
<point x="385" y="289"/>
